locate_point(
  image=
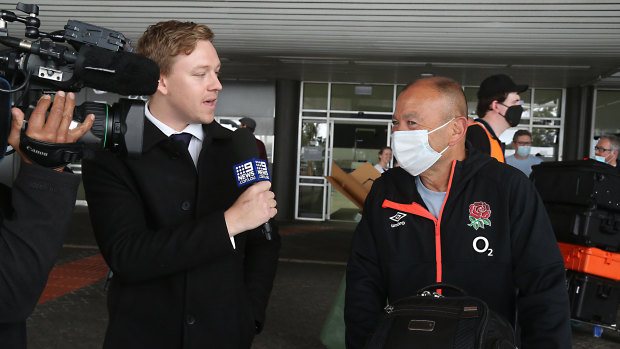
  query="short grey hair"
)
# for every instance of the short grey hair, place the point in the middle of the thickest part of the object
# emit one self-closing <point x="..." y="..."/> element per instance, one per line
<point x="613" y="139"/>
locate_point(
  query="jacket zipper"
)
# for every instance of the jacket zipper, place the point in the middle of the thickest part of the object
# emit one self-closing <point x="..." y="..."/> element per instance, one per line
<point x="418" y="210"/>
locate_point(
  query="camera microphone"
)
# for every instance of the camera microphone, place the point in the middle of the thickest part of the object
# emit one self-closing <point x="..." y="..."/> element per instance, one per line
<point x="124" y="73"/>
<point x="250" y="170"/>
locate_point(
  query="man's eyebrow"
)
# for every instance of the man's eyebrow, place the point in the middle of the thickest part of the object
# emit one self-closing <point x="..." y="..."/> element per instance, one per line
<point x="208" y="66"/>
<point x="409" y="115"/>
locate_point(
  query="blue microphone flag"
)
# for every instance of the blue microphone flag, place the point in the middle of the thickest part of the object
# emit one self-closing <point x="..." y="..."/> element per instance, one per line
<point x="253" y="170"/>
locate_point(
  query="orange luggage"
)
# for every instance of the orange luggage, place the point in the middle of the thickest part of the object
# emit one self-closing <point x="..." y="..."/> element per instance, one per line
<point x="591" y="260"/>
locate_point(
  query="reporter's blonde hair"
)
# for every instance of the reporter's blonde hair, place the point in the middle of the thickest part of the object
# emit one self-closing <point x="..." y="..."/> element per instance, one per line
<point x="163" y="41"/>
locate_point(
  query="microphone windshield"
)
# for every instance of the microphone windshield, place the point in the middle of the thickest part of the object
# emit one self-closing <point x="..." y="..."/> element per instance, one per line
<point x="120" y="72"/>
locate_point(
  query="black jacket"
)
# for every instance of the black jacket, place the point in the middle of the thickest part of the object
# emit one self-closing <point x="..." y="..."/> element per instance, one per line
<point x="159" y="222"/>
<point x="394" y="250"/>
<point x="34" y="218"/>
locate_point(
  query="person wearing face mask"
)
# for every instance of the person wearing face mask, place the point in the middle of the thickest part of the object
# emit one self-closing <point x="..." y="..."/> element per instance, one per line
<point x="522" y="144"/>
<point x="451" y="214"/>
<point x="606" y="150"/>
<point x="499" y="108"/>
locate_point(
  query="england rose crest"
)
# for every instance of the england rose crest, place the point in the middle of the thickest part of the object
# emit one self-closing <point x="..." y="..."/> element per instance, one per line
<point x="479" y="213"/>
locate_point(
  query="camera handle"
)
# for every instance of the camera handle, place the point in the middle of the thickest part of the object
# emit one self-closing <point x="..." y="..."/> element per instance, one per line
<point x="52" y="155"/>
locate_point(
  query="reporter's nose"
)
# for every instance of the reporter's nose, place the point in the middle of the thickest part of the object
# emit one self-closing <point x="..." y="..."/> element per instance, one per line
<point x="215" y="85"/>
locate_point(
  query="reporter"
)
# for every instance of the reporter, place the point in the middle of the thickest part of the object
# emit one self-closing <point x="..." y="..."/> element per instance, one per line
<point x="34" y="215"/>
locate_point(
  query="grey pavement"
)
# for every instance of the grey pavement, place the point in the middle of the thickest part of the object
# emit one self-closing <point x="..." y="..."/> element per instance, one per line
<point x="312" y="265"/>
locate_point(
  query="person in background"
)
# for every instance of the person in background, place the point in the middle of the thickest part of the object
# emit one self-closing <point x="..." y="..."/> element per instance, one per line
<point x="34" y="215"/>
<point x="250" y="124"/>
<point x="522" y="144"/>
<point x="499" y="108"/>
<point x="606" y="150"/>
<point x="385" y="156"/>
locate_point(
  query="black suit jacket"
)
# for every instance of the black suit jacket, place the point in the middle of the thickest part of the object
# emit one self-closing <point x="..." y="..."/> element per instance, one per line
<point x="33" y="222"/>
<point x="159" y="222"/>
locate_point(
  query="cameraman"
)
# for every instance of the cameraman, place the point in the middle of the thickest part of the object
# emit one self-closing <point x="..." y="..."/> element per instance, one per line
<point x="34" y="216"/>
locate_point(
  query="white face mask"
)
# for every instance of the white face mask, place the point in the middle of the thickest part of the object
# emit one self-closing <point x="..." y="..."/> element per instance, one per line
<point x="413" y="152"/>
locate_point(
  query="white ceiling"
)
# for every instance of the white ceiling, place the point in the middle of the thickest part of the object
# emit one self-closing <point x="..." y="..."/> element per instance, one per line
<point x="553" y="43"/>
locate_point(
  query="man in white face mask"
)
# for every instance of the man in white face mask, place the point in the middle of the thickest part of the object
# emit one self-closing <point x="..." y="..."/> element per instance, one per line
<point x="452" y="214"/>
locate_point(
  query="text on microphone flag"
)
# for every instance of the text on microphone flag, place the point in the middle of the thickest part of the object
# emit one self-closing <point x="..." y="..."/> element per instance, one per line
<point x="251" y="171"/>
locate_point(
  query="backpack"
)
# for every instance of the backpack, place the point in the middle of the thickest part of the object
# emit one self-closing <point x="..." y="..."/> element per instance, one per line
<point x="430" y="320"/>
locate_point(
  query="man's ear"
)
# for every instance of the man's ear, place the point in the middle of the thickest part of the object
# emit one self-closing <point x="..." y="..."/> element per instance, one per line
<point x="458" y="129"/>
<point x="494" y="106"/>
<point x="162" y="85"/>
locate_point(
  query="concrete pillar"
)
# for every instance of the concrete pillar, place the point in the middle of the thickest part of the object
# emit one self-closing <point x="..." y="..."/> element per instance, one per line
<point x="578" y="122"/>
<point x="285" y="147"/>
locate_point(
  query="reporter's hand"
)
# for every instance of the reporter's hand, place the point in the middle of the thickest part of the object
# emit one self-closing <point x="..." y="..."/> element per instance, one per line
<point x="254" y="207"/>
<point x="53" y="130"/>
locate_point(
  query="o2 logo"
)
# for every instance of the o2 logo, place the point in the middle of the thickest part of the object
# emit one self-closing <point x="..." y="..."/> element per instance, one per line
<point x="481" y="245"/>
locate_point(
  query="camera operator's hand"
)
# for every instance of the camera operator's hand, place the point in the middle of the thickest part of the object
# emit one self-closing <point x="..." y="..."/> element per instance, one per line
<point x="53" y="130"/>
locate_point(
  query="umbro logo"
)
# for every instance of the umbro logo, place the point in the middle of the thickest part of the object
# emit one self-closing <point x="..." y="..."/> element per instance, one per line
<point x="397" y="218"/>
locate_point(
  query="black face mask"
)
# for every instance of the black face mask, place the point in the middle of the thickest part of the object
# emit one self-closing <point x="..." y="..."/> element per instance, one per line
<point x="513" y="114"/>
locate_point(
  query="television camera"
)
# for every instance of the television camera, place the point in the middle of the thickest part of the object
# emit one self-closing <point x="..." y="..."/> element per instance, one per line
<point x="95" y="57"/>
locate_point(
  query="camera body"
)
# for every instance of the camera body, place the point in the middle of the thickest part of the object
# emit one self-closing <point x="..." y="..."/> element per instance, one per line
<point x="89" y="56"/>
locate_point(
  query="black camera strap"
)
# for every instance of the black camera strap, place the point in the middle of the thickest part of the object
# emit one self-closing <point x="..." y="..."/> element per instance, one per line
<point x="5" y="116"/>
<point x="48" y="154"/>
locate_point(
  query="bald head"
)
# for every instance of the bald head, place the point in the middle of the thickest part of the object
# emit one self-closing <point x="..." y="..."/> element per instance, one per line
<point x="449" y="91"/>
<point x="438" y="106"/>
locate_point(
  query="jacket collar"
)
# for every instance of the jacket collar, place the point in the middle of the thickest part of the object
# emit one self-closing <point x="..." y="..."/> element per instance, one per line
<point x="463" y="172"/>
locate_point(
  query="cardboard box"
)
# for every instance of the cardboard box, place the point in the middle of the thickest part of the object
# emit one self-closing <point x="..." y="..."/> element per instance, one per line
<point x="355" y="185"/>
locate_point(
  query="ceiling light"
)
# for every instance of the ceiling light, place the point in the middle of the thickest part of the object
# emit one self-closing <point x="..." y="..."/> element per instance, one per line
<point x="548" y="66"/>
<point x="466" y="65"/>
<point x="392" y="63"/>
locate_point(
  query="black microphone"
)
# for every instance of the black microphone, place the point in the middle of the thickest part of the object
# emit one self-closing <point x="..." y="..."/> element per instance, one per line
<point x="250" y="169"/>
<point x="120" y="72"/>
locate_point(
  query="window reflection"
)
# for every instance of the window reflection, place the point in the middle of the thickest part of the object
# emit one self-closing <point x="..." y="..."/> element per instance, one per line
<point x="313" y="141"/>
<point x="352" y="97"/>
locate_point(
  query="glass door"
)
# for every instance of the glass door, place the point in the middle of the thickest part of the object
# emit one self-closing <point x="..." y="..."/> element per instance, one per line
<point x="312" y="165"/>
<point x="354" y="143"/>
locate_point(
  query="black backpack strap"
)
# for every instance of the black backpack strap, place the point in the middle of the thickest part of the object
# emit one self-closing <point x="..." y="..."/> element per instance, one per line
<point x="441" y="285"/>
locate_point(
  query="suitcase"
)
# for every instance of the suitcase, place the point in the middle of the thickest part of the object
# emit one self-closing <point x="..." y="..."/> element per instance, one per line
<point x="583" y="226"/>
<point x="591" y="260"/>
<point x="588" y="183"/>
<point x="593" y="299"/>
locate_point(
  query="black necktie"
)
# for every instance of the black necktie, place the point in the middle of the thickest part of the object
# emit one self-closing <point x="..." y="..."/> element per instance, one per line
<point x="184" y="137"/>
